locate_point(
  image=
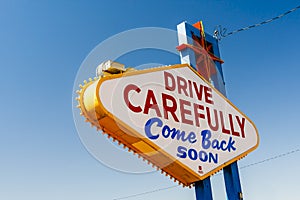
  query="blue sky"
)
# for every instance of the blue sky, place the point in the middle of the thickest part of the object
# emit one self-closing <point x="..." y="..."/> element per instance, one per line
<point x="43" y="44"/>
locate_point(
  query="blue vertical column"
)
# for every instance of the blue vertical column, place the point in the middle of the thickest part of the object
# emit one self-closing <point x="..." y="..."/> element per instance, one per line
<point x="202" y="188"/>
<point x="231" y="172"/>
<point x="232" y="182"/>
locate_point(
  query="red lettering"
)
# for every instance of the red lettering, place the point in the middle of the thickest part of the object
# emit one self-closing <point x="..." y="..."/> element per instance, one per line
<point x="169" y="109"/>
<point x="197" y="114"/>
<point x="216" y="126"/>
<point x="198" y="91"/>
<point x="127" y="89"/>
<point x="233" y="132"/>
<point x="224" y="130"/>
<point x="190" y="88"/>
<point x="208" y="95"/>
<point x="241" y="124"/>
<point x="169" y="86"/>
<point x="184" y="111"/>
<point x="151" y="103"/>
<point x="182" y="85"/>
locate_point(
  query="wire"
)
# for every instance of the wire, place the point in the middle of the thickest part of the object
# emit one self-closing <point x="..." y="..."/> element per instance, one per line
<point x="243" y="167"/>
<point x="148" y="192"/>
<point x="271" y="158"/>
<point x="220" y="32"/>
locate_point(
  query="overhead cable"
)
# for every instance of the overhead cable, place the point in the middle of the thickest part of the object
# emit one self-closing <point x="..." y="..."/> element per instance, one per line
<point x="242" y="167"/>
<point x="220" y="32"/>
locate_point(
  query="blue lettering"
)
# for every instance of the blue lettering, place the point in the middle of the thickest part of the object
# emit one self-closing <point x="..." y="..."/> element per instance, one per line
<point x="192" y="137"/>
<point x="216" y="144"/>
<point x="181" y="152"/>
<point x="179" y="134"/>
<point x="148" y="125"/>
<point x="203" y="156"/>
<point x="206" y="135"/>
<point x="222" y="145"/>
<point x="167" y="132"/>
<point x="230" y="144"/>
<point x="213" y="158"/>
<point x="193" y="154"/>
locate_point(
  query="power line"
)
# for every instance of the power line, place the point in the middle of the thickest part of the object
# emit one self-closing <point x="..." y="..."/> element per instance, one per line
<point x="243" y="167"/>
<point x="147" y="192"/>
<point x="271" y="158"/>
<point x="220" y="32"/>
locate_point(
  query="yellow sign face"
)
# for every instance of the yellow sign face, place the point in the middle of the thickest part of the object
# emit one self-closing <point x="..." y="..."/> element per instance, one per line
<point x="171" y="117"/>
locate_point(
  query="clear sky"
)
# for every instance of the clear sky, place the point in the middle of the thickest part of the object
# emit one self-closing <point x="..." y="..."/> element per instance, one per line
<point x="42" y="45"/>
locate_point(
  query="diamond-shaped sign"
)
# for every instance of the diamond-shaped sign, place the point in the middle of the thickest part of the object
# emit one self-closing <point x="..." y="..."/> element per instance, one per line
<point x="173" y="118"/>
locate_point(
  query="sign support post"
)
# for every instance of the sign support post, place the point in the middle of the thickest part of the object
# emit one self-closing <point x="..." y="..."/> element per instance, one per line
<point x="232" y="182"/>
<point x="203" y="190"/>
<point x="186" y="35"/>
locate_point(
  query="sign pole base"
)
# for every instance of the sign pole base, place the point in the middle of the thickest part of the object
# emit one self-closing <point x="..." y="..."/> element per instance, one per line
<point x="203" y="189"/>
<point x="232" y="182"/>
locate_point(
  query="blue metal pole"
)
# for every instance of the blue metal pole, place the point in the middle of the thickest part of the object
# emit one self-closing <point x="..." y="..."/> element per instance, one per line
<point x="232" y="182"/>
<point x="203" y="187"/>
<point x="203" y="190"/>
<point x="231" y="173"/>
